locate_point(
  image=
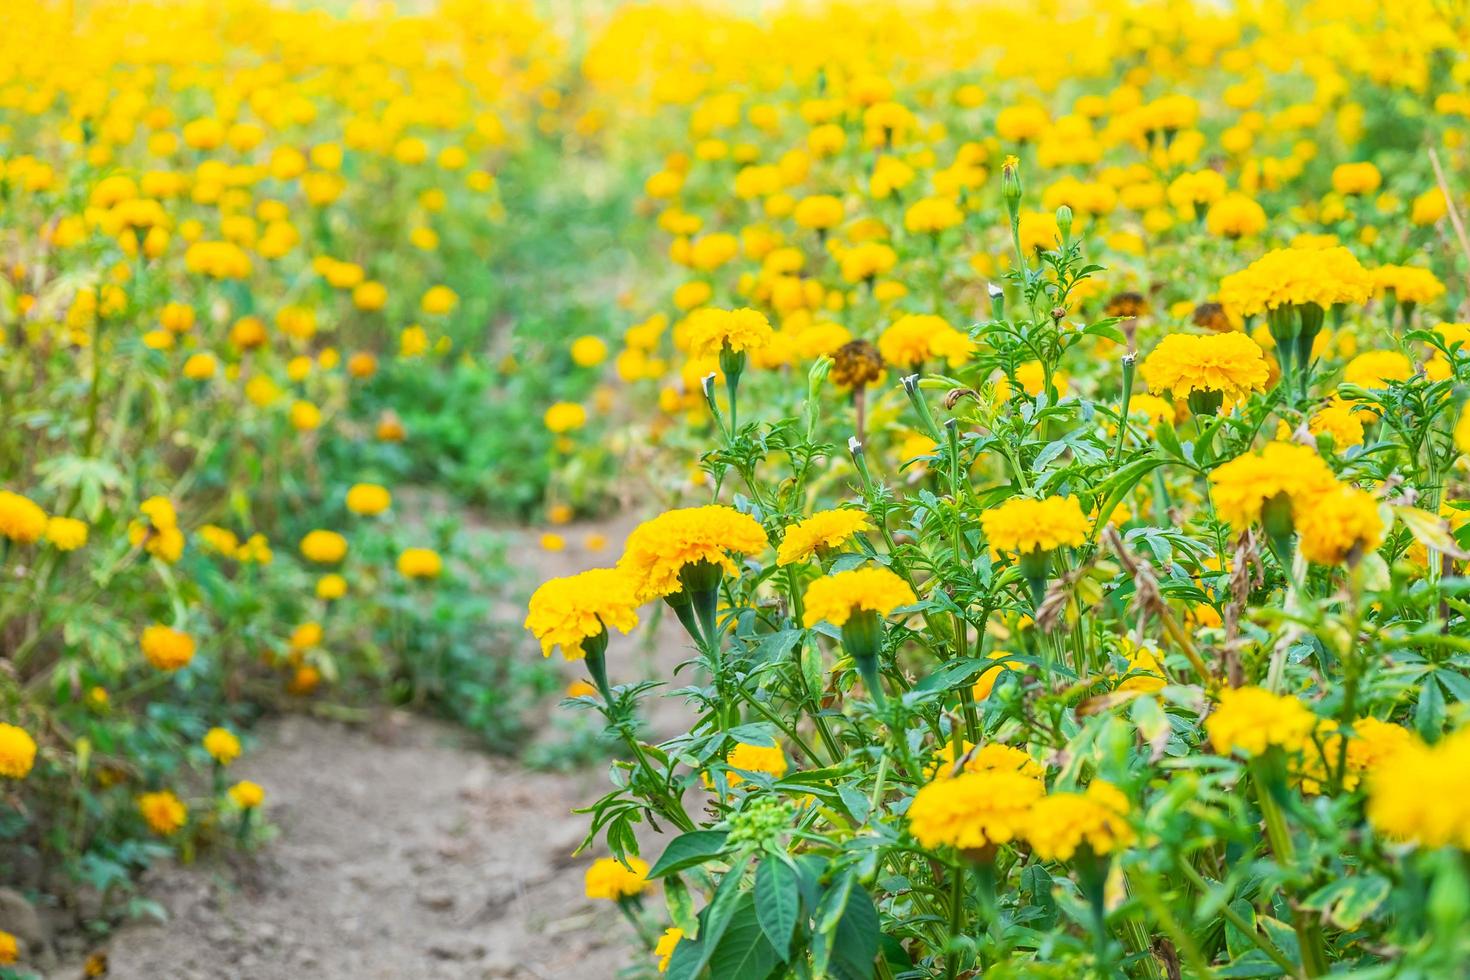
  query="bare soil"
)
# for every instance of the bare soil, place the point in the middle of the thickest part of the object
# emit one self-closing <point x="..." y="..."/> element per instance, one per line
<point x="403" y="852"/>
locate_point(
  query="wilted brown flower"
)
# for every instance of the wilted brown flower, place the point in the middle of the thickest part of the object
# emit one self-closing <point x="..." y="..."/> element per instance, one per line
<point x="1127" y="305"/>
<point x="856" y="364"/>
<point x="1211" y="316"/>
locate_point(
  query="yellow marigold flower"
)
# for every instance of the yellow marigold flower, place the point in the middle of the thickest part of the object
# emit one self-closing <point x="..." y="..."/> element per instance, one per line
<point x="990" y="757"/>
<point x="1235" y="216"/>
<point x="158" y="531"/>
<point x="565" y="612"/>
<point x="1340" y="420"/>
<point x="324" y="547"/>
<point x="66" y="533"/>
<point x="305" y="416"/>
<point x="755" y="758"/>
<point x="659" y="549"/>
<point x="1340" y="524"/>
<point x="1147" y="673"/>
<point x="664" y="950"/>
<point x="306" y="636"/>
<point x="1183" y="364"/>
<point x="419" y="563"/>
<point x="824" y="529"/>
<point x="164" y="812"/>
<point x="1241" y="487"/>
<point x="711" y="331"/>
<point x="819" y="212"/>
<point x="10" y="950"/>
<point x="565" y="417"/>
<point x="1296" y="276"/>
<point x="580" y="689"/>
<point x="1356" y="178"/>
<point x="610" y="879"/>
<point x="21" y="520"/>
<point x="589" y="351"/>
<point x="1428" y="207"/>
<point x="835" y="598"/>
<point x="368" y="499"/>
<point x="1063" y="823"/>
<point x="866" y="261"/>
<point x="1024" y="524"/>
<point x="201" y="367"/>
<point x="932" y="215"/>
<point x="17" y="751"/>
<point x="974" y="809"/>
<point x="247" y="795"/>
<point x="985" y="683"/>
<point x="439" y="299"/>
<point x="1408" y="283"/>
<point x="918" y="337"/>
<point x="165" y="647"/>
<point x="331" y="587"/>
<point x="551" y="541"/>
<point x="1423" y="796"/>
<point x="1252" y="719"/>
<point x="222" y="745"/>
<point x="1377" y="369"/>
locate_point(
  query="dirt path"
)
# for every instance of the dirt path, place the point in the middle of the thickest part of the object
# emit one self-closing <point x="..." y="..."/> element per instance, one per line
<point x="402" y="853"/>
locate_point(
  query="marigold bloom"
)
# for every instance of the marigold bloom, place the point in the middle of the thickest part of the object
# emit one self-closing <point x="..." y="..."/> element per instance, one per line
<point x="974" y="809"/>
<point x="1377" y="369"/>
<point x="659" y="549"/>
<point x="1408" y="284"/>
<point x="755" y="758"/>
<point x="368" y="498"/>
<point x="17" y="751"/>
<point x="164" y="812"/>
<point x="1235" y="216"/>
<point x="222" y="745"/>
<point x="1252" y="719"/>
<point x="711" y="331"/>
<point x="21" y="519"/>
<point x="1063" y="823"/>
<point x="165" y="647"/>
<point x="1339" y="524"/>
<point x="1241" y="487"/>
<point x="824" y="529"/>
<point x="247" y="795"/>
<point x="1182" y="364"/>
<point x="1423" y="795"/>
<point x="610" y="879"/>
<point x="331" y="587"/>
<point x="323" y="547"/>
<point x="419" y="563"/>
<point x="835" y="598"/>
<point x="1296" y="276"/>
<point x="919" y="337"/>
<point x="565" y="417"/>
<point x="438" y="300"/>
<point x="565" y="612"/>
<point x="664" y="950"/>
<point x="157" y="531"/>
<point x="66" y="533"/>
<point x="990" y="757"/>
<point x="1024" y="524"/>
<point x="10" y="950"/>
<point x="588" y="351"/>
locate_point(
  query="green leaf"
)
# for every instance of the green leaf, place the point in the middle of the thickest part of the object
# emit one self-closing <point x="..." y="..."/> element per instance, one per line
<point x="1349" y="901"/>
<point x="855" y="942"/>
<point x="681" y="906"/>
<point x="777" y="902"/>
<point x="690" y="958"/>
<point x="744" y="952"/>
<point x="688" y="850"/>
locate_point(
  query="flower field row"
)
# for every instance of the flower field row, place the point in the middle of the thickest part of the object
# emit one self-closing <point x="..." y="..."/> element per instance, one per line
<point x="1066" y="508"/>
<point x="1052" y="420"/>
